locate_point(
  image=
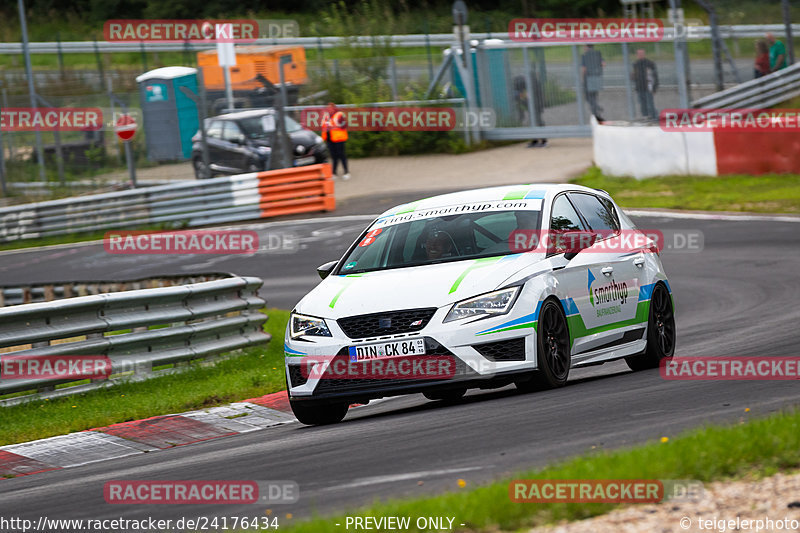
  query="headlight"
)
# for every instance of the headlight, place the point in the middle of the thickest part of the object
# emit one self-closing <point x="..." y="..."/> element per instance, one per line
<point x="318" y="139"/>
<point x="493" y="303"/>
<point x="308" y="325"/>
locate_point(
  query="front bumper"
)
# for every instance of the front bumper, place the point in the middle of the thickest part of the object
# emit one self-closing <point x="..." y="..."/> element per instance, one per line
<point x="481" y="355"/>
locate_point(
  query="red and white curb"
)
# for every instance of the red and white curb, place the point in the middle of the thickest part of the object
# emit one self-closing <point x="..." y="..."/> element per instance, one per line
<point x="140" y="436"/>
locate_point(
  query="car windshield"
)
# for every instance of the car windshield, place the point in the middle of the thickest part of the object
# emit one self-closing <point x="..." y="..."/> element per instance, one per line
<point x="253" y="127"/>
<point x="393" y="243"/>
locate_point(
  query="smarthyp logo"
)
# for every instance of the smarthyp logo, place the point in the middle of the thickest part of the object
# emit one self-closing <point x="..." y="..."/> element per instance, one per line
<point x="607" y="293"/>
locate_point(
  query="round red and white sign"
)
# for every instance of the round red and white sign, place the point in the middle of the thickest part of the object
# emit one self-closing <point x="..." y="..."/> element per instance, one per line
<point x="125" y="127"/>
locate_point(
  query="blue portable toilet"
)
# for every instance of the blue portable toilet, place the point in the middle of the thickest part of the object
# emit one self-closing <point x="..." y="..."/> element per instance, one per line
<point x="499" y="95"/>
<point x="169" y="115"/>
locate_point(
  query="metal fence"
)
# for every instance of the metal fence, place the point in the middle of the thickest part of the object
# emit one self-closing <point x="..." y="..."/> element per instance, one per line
<point x="136" y="330"/>
<point x="47" y="292"/>
<point x="564" y="104"/>
<point x="189" y="203"/>
<point x="400" y="41"/>
<point x="760" y="93"/>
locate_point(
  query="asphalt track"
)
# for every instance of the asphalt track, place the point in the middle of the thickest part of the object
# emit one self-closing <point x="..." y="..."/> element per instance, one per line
<point x="736" y="297"/>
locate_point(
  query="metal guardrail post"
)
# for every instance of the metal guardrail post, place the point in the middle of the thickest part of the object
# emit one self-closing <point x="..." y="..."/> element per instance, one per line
<point x="393" y="77"/>
<point x="100" y="68"/>
<point x="789" y="34"/>
<point x="60" y="55"/>
<point x="3" y="187"/>
<point x="144" y="56"/>
<point x="576" y="65"/>
<point x="678" y="45"/>
<point x="10" y="135"/>
<point x="57" y="139"/>
<point x="626" y="60"/>
<point x="31" y="90"/>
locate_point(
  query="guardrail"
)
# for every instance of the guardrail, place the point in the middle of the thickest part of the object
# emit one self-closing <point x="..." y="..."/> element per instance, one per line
<point x="47" y="292"/>
<point x="402" y="41"/>
<point x="136" y="330"/>
<point x="186" y="203"/>
<point x="759" y="93"/>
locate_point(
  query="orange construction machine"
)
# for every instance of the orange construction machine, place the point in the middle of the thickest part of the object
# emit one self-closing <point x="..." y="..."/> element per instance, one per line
<point x="255" y="79"/>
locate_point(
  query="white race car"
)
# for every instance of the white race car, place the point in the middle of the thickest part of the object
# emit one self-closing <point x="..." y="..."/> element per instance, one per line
<point x="480" y="288"/>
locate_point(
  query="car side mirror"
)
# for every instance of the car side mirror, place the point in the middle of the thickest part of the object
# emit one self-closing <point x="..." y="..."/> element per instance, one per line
<point x="576" y="241"/>
<point x="325" y="270"/>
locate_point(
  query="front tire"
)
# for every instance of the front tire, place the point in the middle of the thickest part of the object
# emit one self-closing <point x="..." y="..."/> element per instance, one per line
<point x="552" y="350"/>
<point x="318" y="414"/>
<point x="660" y="332"/>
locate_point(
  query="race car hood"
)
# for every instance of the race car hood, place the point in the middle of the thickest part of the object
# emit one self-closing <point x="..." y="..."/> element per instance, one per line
<point x="414" y="287"/>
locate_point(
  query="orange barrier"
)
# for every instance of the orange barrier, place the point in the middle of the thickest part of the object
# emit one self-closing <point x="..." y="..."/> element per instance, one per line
<point x="288" y="191"/>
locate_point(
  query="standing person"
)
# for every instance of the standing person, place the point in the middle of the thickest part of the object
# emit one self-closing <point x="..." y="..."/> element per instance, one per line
<point x="762" y="58"/>
<point x="538" y="108"/>
<point x="645" y="78"/>
<point x="334" y="133"/>
<point x="777" y="53"/>
<point x="592" y="70"/>
<point x="521" y="100"/>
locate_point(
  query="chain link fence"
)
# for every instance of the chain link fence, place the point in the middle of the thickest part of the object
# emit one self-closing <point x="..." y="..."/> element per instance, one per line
<point x="525" y="86"/>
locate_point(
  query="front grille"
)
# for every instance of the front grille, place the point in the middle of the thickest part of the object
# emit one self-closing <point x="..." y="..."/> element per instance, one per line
<point x="296" y="376"/>
<point x="510" y="350"/>
<point x="330" y="384"/>
<point x="389" y="323"/>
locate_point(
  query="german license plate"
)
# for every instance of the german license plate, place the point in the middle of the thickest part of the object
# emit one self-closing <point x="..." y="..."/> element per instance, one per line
<point x="398" y="348"/>
<point x="300" y="161"/>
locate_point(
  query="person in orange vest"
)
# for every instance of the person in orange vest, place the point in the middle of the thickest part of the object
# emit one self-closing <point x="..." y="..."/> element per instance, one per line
<point x="334" y="133"/>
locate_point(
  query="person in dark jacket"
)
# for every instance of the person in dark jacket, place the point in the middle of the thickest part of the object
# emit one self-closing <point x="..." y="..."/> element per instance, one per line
<point x="645" y="80"/>
<point x="592" y="64"/>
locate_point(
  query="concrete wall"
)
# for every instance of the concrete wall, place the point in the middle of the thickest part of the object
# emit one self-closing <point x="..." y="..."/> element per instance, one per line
<point x="648" y="151"/>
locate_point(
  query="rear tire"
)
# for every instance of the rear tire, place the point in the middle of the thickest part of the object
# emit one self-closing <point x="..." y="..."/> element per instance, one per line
<point x="318" y="414"/>
<point x="552" y="350"/>
<point x="660" y="332"/>
<point x="449" y="395"/>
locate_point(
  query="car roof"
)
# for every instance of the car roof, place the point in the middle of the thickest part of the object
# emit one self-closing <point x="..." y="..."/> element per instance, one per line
<point x="236" y="115"/>
<point x="490" y="194"/>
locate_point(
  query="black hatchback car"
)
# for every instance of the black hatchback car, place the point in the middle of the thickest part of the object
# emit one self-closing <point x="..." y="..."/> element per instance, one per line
<point x="242" y="142"/>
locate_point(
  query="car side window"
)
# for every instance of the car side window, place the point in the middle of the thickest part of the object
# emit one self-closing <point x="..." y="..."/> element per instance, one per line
<point x="609" y="205"/>
<point x="231" y="133"/>
<point x="596" y="214"/>
<point x="563" y="216"/>
<point x="215" y="130"/>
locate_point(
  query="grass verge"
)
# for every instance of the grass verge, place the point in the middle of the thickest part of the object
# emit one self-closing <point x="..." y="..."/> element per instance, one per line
<point x="760" y="447"/>
<point x="770" y="193"/>
<point x="257" y="371"/>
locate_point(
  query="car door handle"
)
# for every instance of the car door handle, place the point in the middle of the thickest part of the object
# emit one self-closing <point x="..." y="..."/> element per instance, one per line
<point x="608" y="271"/>
<point x="639" y="262"/>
